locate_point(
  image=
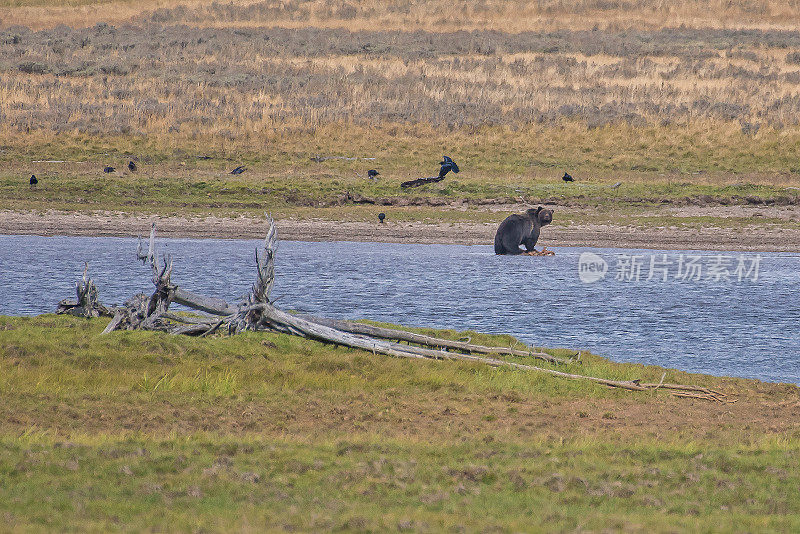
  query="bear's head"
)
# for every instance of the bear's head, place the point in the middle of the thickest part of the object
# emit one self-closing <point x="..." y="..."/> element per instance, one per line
<point x="543" y="215"/>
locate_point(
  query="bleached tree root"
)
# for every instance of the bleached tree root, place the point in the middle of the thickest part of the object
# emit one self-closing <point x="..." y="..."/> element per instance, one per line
<point x="87" y="303"/>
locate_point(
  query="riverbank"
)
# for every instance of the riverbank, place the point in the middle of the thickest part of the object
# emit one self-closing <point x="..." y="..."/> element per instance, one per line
<point x="756" y="236"/>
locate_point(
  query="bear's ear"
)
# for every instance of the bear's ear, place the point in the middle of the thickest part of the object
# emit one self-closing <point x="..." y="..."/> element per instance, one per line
<point x="538" y="210"/>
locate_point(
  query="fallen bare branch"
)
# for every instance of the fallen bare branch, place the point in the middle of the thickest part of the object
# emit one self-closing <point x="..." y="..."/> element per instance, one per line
<point x="202" y="303"/>
<point x="420" y="339"/>
<point x="703" y="396"/>
<point x="213" y="328"/>
<point x="421" y="181"/>
<point x="320" y="159"/>
<point x="684" y="387"/>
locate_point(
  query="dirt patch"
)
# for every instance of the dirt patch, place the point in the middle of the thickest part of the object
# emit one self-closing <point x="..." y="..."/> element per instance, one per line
<point x="754" y="211"/>
<point x="767" y="409"/>
<point x="510" y="203"/>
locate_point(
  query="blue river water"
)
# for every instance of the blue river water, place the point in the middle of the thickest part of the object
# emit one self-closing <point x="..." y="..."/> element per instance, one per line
<point x="719" y="313"/>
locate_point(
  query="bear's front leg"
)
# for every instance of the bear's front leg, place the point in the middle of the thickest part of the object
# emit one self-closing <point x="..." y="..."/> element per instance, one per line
<point x="530" y="245"/>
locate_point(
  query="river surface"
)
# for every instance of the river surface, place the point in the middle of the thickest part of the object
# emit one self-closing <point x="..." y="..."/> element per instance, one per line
<point x="719" y="313"/>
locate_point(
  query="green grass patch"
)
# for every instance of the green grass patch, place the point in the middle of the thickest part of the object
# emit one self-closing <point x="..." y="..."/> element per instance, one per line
<point x="215" y="483"/>
<point x="347" y="196"/>
<point x="145" y="431"/>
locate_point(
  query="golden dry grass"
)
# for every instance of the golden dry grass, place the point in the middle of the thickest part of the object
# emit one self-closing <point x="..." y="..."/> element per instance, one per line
<point x="43" y="14"/>
<point x="200" y="83"/>
<point x="281" y="82"/>
<point x="431" y="15"/>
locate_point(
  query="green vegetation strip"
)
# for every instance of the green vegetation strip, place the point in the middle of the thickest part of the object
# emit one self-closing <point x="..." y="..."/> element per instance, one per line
<point x="317" y="194"/>
<point x="215" y="483"/>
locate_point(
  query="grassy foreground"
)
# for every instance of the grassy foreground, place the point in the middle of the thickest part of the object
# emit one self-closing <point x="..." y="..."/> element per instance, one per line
<point x="141" y="431"/>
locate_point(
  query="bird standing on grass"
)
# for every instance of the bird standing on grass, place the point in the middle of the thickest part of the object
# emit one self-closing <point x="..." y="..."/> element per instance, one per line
<point x="131" y="166"/>
<point x="372" y="173"/>
<point x="108" y="169"/>
<point x="238" y="170"/>
<point x="567" y="177"/>
<point x="381" y="217"/>
<point x="447" y="166"/>
<point x="34" y="181"/>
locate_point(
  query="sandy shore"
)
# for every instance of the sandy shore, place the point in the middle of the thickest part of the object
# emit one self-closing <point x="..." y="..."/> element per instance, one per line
<point x="126" y="225"/>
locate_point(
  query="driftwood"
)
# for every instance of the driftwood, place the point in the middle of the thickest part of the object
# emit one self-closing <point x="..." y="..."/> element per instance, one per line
<point x="421" y="181"/>
<point x="411" y="337"/>
<point x="320" y="159"/>
<point x="258" y="313"/>
<point x="87" y="303"/>
<point x="140" y="311"/>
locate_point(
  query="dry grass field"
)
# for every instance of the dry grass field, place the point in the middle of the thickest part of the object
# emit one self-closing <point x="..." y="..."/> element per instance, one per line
<point x="267" y="78"/>
<point x="430" y="15"/>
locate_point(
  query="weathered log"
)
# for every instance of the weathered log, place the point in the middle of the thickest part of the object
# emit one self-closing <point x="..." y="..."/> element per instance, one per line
<point x="151" y="252"/>
<point x="684" y="387"/>
<point x="248" y="317"/>
<point x="114" y="323"/>
<point x="212" y="305"/>
<point x="189" y="319"/>
<point x="421" y="181"/>
<point x="145" y="312"/>
<point x="162" y="296"/>
<point x="189" y="330"/>
<point x="420" y="339"/>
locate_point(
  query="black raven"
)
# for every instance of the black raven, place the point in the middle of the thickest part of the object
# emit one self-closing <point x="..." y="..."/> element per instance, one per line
<point x="381" y="216"/>
<point x="567" y="178"/>
<point x="238" y="170"/>
<point x="34" y="181"/>
<point x="372" y="173"/>
<point x="131" y="166"/>
<point x="108" y="169"/>
<point x="447" y="166"/>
